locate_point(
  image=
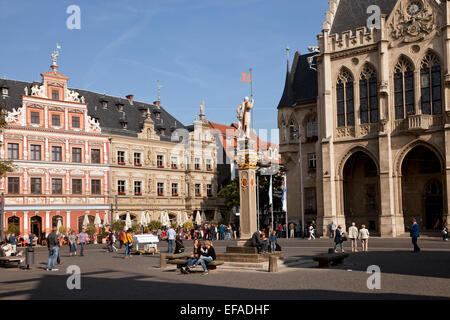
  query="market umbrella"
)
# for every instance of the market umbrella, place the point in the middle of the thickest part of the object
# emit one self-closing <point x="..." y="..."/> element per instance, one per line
<point x="179" y="219"/>
<point x="149" y="218"/>
<point x="167" y="219"/>
<point x="59" y="224"/>
<point x="128" y="221"/>
<point x="116" y="217"/>
<point x="203" y="216"/>
<point x="106" y="219"/>
<point x="85" y="221"/>
<point x="97" y="221"/>
<point x="162" y="217"/>
<point x="143" y="221"/>
<point x="198" y="219"/>
<point x="185" y="217"/>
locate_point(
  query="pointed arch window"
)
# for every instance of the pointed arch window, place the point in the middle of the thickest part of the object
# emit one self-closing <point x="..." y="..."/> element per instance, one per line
<point x="431" y="85"/>
<point x="368" y="92"/>
<point x="404" y="89"/>
<point x="345" y="99"/>
<point x="283" y="131"/>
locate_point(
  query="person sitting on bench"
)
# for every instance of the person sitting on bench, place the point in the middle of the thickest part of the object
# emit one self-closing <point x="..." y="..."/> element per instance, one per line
<point x="208" y="255"/>
<point x="7" y="249"/>
<point x="259" y="241"/>
<point x="193" y="259"/>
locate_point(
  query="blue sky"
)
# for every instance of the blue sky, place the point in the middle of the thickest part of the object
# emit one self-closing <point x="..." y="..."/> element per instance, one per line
<point x="196" y="48"/>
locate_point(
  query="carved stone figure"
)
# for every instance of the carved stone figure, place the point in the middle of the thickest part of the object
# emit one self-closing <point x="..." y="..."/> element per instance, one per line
<point x="244" y="117"/>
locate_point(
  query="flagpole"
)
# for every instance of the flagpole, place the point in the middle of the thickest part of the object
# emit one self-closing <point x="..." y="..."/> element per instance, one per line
<point x="251" y="83"/>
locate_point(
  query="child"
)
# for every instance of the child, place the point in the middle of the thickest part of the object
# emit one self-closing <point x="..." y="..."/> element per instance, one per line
<point x="273" y="241"/>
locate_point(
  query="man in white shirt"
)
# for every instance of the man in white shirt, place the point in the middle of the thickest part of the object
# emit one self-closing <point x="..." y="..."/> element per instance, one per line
<point x="171" y="234"/>
<point x="364" y="236"/>
<point x="353" y="235"/>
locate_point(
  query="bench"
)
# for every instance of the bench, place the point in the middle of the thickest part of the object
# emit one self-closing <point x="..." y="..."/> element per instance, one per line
<point x="333" y="258"/>
<point x="11" y="261"/>
<point x="182" y="262"/>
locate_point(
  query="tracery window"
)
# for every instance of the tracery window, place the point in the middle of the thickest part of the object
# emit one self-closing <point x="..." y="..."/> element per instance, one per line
<point x="431" y="85"/>
<point x="345" y="99"/>
<point x="368" y="95"/>
<point x="404" y="88"/>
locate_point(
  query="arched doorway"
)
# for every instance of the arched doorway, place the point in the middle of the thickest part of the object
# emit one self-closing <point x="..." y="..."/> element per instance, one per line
<point x="422" y="188"/>
<point x="55" y="220"/>
<point x="36" y="227"/>
<point x="361" y="192"/>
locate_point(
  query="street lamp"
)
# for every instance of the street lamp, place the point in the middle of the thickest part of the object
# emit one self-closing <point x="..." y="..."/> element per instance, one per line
<point x="298" y="134"/>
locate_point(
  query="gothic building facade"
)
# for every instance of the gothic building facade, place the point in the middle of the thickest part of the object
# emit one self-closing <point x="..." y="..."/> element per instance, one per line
<point x="373" y="108"/>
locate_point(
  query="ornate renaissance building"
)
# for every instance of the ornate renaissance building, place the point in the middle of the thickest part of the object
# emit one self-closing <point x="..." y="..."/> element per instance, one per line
<point x="60" y="156"/>
<point x="373" y="108"/>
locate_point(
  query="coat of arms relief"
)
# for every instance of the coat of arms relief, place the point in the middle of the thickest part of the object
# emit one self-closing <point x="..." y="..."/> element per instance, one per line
<point x="414" y="20"/>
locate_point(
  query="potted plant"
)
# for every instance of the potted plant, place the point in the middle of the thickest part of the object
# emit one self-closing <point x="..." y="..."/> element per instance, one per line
<point x="122" y="163"/>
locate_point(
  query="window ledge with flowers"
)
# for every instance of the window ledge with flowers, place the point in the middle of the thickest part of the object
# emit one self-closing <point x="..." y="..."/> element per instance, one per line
<point x="138" y="194"/>
<point x="174" y="167"/>
<point x="175" y="194"/>
<point x="121" y="193"/>
<point x="138" y="164"/>
<point x="121" y="163"/>
<point x="161" y="167"/>
<point x="160" y="194"/>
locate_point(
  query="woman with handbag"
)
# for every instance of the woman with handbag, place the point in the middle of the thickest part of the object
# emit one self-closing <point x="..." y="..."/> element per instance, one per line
<point x="339" y="239"/>
<point x="128" y="241"/>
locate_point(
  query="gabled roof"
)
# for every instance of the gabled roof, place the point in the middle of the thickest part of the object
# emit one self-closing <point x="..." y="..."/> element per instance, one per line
<point x="352" y="14"/>
<point x="110" y="119"/>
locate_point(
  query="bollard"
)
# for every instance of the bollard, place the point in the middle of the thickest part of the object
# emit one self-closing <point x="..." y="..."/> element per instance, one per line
<point x="29" y="256"/>
<point x="273" y="264"/>
<point x="162" y="261"/>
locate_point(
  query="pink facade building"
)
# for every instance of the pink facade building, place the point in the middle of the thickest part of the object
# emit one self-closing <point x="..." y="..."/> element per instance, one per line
<point x="60" y="155"/>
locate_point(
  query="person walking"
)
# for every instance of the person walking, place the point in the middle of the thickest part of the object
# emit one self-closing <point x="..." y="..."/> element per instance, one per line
<point x="72" y="243"/>
<point x="13" y="242"/>
<point x="291" y="230"/>
<point x="171" y="234"/>
<point x="445" y="233"/>
<point x="311" y="232"/>
<point x="338" y="239"/>
<point x="120" y="238"/>
<point x="128" y="242"/>
<point x="53" y="250"/>
<point x="332" y="229"/>
<point x="364" y="236"/>
<point x="353" y="236"/>
<point x="82" y="238"/>
<point x="414" y="233"/>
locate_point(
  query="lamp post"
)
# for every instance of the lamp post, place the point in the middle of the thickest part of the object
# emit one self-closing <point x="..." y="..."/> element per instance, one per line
<point x="299" y="136"/>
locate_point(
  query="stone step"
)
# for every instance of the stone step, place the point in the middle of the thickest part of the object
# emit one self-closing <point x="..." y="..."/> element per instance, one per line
<point x="240" y="257"/>
<point x="249" y="250"/>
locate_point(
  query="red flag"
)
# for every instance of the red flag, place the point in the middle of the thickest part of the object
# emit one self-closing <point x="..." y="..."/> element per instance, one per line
<point x="246" y="77"/>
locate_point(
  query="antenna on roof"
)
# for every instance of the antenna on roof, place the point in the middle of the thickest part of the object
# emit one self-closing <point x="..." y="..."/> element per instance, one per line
<point x="159" y="86"/>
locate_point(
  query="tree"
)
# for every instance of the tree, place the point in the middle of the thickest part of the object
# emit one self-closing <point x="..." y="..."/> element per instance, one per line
<point x="13" y="228"/>
<point x="230" y="193"/>
<point x="118" y="225"/>
<point x="5" y="165"/>
<point x="154" y="225"/>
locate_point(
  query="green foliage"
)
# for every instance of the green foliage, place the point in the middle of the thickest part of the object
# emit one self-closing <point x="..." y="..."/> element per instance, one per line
<point x="118" y="226"/>
<point x="188" y="225"/>
<point x="174" y="226"/>
<point x="62" y="230"/>
<point x="13" y="228"/>
<point x="136" y="227"/>
<point x="154" y="225"/>
<point x="230" y="193"/>
<point x="90" y="230"/>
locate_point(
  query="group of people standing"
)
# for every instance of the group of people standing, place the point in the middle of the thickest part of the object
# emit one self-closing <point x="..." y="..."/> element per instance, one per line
<point x="353" y="234"/>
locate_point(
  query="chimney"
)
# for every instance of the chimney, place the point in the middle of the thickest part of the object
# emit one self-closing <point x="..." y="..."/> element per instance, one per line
<point x="157" y="103"/>
<point x="130" y="98"/>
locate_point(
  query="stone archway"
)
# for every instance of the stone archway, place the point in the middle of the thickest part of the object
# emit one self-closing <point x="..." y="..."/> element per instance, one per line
<point x="422" y="184"/>
<point x="361" y="196"/>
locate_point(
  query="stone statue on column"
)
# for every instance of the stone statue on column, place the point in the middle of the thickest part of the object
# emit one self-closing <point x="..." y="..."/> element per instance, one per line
<point x="244" y="114"/>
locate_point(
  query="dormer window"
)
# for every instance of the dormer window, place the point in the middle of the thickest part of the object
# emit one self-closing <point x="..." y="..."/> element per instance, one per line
<point x="5" y="91"/>
<point x="55" y="94"/>
<point x="120" y="107"/>
<point x="124" y="125"/>
<point x="105" y="105"/>
<point x="157" y="115"/>
<point x="162" y="131"/>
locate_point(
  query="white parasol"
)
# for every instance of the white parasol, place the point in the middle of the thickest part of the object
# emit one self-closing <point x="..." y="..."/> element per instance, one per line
<point x="179" y="219"/>
<point x="203" y="216"/>
<point x="97" y="221"/>
<point x="198" y="218"/>
<point x="149" y="218"/>
<point x="116" y="217"/>
<point x="185" y="217"/>
<point x="106" y="219"/>
<point x="128" y="221"/>
<point x="167" y="222"/>
<point x="143" y="221"/>
<point x="59" y="224"/>
<point x="85" y="221"/>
